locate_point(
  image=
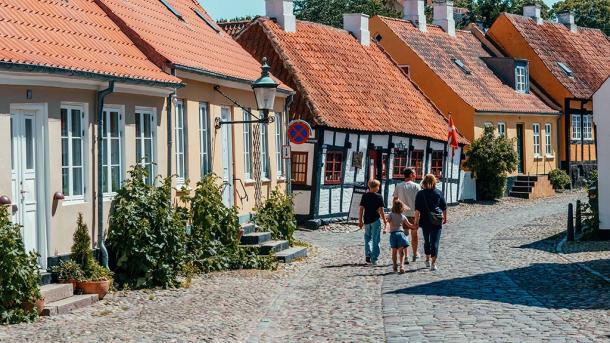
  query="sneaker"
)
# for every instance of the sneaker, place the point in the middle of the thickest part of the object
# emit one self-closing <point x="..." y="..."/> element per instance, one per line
<point x="415" y="257"/>
<point x="434" y="268"/>
<point x="395" y="268"/>
<point x="406" y="261"/>
<point x="374" y="263"/>
<point x="402" y="271"/>
<point x="427" y="264"/>
<point x="368" y="259"/>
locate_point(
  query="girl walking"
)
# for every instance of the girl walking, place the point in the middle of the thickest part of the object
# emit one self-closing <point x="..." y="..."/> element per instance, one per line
<point x="398" y="240"/>
<point x="430" y="215"/>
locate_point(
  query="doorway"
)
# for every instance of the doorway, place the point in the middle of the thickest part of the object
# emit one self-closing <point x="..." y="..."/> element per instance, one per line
<point x="227" y="157"/>
<point x="521" y="165"/>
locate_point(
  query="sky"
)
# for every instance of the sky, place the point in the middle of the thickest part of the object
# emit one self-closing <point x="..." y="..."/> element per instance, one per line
<point x="228" y="9"/>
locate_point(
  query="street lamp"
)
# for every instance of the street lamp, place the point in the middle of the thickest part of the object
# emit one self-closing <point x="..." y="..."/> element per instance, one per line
<point x="265" y="89"/>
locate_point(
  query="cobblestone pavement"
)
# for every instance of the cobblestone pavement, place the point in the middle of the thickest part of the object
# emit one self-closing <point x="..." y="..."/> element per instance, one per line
<point x="592" y="254"/>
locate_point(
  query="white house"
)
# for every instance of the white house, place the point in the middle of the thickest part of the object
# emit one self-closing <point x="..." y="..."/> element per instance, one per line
<point x="601" y="117"/>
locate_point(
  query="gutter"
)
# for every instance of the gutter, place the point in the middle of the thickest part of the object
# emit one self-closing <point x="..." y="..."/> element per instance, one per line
<point x="287" y="162"/>
<point x="101" y="95"/>
<point x="170" y="141"/>
<point x="520" y="113"/>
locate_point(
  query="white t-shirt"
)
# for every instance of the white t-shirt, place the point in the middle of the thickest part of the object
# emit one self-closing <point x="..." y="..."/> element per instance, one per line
<point x="406" y="192"/>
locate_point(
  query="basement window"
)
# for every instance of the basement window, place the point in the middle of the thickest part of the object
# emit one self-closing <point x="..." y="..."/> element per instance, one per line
<point x="172" y="9"/>
<point x="565" y="68"/>
<point x="207" y="21"/>
<point x="461" y="65"/>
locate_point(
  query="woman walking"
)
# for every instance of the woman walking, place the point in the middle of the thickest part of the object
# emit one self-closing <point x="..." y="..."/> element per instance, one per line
<point x="430" y="214"/>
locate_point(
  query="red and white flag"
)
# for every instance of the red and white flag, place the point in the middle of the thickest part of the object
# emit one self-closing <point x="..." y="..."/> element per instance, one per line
<point x="452" y="137"/>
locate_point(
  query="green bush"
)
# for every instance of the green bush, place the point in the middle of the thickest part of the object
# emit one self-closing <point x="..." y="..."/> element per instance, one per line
<point x="19" y="274"/>
<point x="491" y="159"/>
<point x="276" y="215"/>
<point x="68" y="271"/>
<point x="146" y="236"/>
<point x="559" y="179"/>
<point x="81" y="252"/>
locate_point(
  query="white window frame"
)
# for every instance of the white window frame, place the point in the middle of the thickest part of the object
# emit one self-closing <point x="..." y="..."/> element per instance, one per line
<point x="265" y="168"/>
<point x="521" y="79"/>
<point x="279" y="143"/>
<point x="536" y="131"/>
<point x="576" y="128"/>
<point x="151" y="160"/>
<point x="503" y="131"/>
<point x="205" y="160"/>
<point x="69" y="106"/>
<point x="247" y="146"/>
<point x="108" y="193"/>
<point x="587" y="127"/>
<point x="548" y="139"/>
<point x="180" y="134"/>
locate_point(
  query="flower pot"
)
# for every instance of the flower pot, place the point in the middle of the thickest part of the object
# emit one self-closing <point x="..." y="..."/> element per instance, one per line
<point x="38" y="305"/>
<point x="100" y="288"/>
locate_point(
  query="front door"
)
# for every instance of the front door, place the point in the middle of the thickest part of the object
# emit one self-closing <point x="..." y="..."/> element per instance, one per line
<point x="23" y="176"/>
<point x="520" y="167"/>
<point x="227" y="158"/>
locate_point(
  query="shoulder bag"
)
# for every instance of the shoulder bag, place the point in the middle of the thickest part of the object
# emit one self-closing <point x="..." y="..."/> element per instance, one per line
<point x="434" y="218"/>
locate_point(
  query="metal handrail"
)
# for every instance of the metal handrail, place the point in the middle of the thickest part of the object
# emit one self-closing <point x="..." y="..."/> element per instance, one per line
<point x="241" y="182"/>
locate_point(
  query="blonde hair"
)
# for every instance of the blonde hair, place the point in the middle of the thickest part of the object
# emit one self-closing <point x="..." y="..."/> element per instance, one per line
<point x="398" y="207"/>
<point x="374" y="184"/>
<point x="429" y="182"/>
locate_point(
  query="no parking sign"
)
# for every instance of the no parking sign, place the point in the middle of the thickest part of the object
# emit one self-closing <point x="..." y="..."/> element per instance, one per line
<point x="299" y="131"/>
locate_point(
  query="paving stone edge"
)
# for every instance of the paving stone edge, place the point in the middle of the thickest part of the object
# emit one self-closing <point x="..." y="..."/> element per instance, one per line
<point x="561" y="252"/>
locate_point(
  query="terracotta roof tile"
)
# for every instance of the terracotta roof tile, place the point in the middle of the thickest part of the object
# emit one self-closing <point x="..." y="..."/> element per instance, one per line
<point x="234" y="28"/>
<point x="71" y="35"/>
<point x="191" y="41"/>
<point x="345" y="84"/>
<point x="482" y="89"/>
<point x="586" y="52"/>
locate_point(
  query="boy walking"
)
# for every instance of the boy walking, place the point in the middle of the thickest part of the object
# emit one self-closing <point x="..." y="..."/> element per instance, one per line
<point x="406" y="192"/>
<point x="370" y="216"/>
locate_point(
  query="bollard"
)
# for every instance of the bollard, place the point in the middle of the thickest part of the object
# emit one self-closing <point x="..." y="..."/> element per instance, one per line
<point x="578" y="216"/>
<point x="570" y="222"/>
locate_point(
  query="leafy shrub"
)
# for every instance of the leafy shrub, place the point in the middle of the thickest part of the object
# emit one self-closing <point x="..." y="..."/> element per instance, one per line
<point x="559" y="179"/>
<point x="491" y="159"/>
<point x="19" y="274"/>
<point x="68" y="271"/>
<point x="81" y="252"/>
<point x="276" y="215"/>
<point x="146" y="236"/>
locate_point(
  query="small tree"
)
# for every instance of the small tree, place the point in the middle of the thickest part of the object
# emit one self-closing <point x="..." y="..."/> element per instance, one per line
<point x="491" y="159"/>
<point x="81" y="252"/>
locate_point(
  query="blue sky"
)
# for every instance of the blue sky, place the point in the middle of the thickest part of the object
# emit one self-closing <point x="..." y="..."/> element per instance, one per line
<point x="238" y="8"/>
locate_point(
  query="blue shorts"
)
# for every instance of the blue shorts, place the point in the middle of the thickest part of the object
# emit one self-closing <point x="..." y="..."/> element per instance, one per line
<point x="398" y="240"/>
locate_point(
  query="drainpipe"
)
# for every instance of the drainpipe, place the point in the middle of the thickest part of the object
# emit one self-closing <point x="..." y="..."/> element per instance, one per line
<point x="287" y="162"/>
<point x="100" y="192"/>
<point x="170" y="141"/>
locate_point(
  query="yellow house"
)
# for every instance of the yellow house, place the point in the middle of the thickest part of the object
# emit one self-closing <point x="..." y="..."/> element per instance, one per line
<point x="568" y="63"/>
<point x="182" y="39"/>
<point x="477" y="89"/>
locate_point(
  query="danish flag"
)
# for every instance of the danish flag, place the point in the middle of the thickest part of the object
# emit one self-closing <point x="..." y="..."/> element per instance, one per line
<point x="453" y="136"/>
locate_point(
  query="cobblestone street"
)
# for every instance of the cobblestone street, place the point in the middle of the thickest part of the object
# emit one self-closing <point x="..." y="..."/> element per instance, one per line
<point x="499" y="280"/>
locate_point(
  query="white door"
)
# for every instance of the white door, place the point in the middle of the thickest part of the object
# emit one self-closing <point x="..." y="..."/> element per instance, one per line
<point x="227" y="158"/>
<point x="23" y="176"/>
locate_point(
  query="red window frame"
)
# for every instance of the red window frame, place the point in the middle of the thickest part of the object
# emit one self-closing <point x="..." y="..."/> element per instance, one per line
<point x="436" y="165"/>
<point x="417" y="163"/>
<point x="401" y="160"/>
<point x="333" y="167"/>
<point x="298" y="161"/>
<point x="374" y="155"/>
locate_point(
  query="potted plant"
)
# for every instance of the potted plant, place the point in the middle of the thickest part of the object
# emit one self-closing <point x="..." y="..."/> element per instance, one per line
<point x="69" y="272"/>
<point x="97" y="281"/>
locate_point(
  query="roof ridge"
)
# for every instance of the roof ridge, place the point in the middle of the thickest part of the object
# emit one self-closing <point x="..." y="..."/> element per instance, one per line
<point x="427" y="25"/>
<point x="550" y="22"/>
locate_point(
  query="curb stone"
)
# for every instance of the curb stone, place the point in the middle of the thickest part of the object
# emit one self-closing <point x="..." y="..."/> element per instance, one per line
<point x="561" y="252"/>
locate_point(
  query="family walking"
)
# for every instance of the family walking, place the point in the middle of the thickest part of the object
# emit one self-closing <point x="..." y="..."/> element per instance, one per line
<point x="414" y="206"/>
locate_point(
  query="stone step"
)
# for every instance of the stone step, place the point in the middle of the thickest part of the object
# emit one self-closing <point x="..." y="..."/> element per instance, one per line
<point x="69" y="304"/>
<point x="272" y="247"/>
<point x="57" y="291"/>
<point x="289" y="255"/>
<point x="255" y="238"/>
<point x="522" y="189"/>
<point x="527" y="178"/>
<point x="522" y="195"/>
<point x="524" y="183"/>
<point x="248" y="228"/>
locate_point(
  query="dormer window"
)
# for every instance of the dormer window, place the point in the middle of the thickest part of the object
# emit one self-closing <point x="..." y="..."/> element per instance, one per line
<point x="207" y="21"/>
<point x="461" y="65"/>
<point x="565" y="68"/>
<point x="172" y="9"/>
<point x="521" y="84"/>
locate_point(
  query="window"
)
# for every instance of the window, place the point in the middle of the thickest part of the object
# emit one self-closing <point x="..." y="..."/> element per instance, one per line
<point x="112" y="150"/>
<point x="247" y="146"/>
<point x="299" y="167"/>
<point x="548" y="143"/>
<point x="436" y="167"/>
<point x="564" y="67"/>
<point x="576" y="129"/>
<point x="279" y="142"/>
<point x="417" y="162"/>
<point x="72" y="151"/>
<point x="264" y="150"/>
<point x="204" y="139"/>
<point x="462" y="66"/>
<point x="521" y="79"/>
<point x="400" y="164"/>
<point x="536" y="129"/>
<point x="587" y="127"/>
<point x="146" y="142"/>
<point x="180" y="143"/>
<point x="172" y="9"/>
<point x="502" y="129"/>
<point x="333" y="169"/>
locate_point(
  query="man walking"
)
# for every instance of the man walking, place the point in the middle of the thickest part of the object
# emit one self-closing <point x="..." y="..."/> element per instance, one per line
<point x="406" y="192"/>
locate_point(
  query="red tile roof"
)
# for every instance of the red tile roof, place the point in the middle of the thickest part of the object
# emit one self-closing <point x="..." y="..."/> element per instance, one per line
<point x="343" y="84"/>
<point x="191" y="41"/>
<point x="481" y="89"/>
<point x="234" y="28"/>
<point x="586" y="52"/>
<point x="74" y="36"/>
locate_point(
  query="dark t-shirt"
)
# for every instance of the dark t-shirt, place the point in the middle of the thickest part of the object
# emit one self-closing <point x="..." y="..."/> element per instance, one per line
<point x="371" y="203"/>
<point x="429" y="200"/>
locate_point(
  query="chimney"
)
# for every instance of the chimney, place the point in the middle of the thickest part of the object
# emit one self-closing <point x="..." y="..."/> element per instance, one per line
<point x="443" y="16"/>
<point x="358" y="25"/>
<point x="283" y="12"/>
<point x="567" y="18"/>
<point x="533" y="11"/>
<point x="414" y="11"/>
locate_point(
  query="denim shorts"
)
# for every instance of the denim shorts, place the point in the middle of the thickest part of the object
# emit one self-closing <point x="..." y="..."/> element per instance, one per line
<point x="398" y="239"/>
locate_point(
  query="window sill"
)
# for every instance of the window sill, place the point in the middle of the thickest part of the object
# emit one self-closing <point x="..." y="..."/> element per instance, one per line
<point x="109" y="197"/>
<point x="538" y="158"/>
<point x="249" y="182"/>
<point x="73" y="202"/>
<point x="550" y="157"/>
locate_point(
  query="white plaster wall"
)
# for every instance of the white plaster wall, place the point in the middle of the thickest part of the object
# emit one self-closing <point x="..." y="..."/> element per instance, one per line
<point x="324" y="202"/>
<point x="380" y="140"/>
<point x="302" y="202"/>
<point x="360" y="174"/>
<point x="335" y="196"/>
<point x="468" y="187"/>
<point x="601" y="117"/>
<point x="347" y="199"/>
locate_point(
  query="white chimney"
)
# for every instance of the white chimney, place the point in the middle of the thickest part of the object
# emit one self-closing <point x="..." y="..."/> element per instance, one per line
<point x="283" y="12"/>
<point x="533" y="11"/>
<point x="414" y="11"/>
<point x="443" y="16"/>
<point x="358" y="25"/>
<point x="567" y="18"/>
